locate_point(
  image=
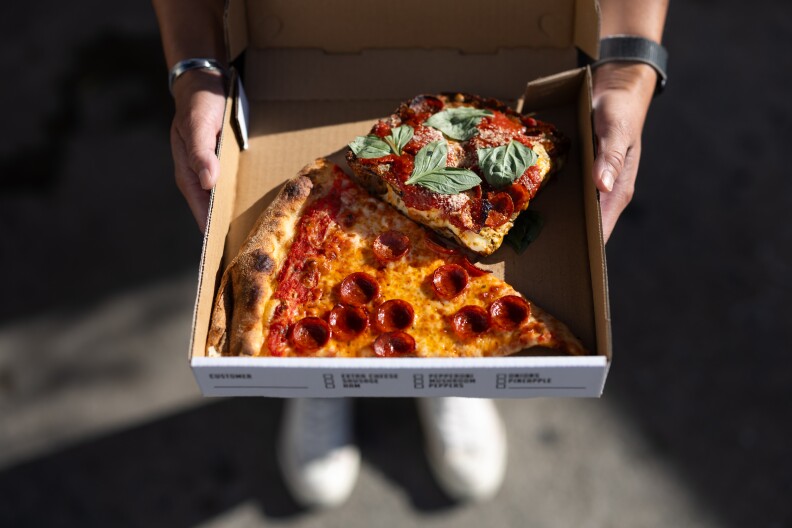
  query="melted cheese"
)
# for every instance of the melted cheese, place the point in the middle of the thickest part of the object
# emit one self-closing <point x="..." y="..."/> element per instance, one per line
<point x="406" y="279"/>
<point x="434" y="219"/>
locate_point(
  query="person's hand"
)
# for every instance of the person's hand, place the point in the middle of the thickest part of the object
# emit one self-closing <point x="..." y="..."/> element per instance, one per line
<point x="200" y="102"/>
<point x="622" y="93"/>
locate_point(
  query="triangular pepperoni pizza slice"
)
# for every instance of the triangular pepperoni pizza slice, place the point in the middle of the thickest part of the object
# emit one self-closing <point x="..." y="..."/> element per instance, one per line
<point x="329" y="270"/>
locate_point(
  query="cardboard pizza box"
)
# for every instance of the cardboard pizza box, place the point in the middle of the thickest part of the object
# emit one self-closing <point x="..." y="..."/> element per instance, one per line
<point x="316" y="74"/>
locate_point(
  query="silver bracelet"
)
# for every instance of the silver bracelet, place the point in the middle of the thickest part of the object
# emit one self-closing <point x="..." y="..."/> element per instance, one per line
<point x="183" y="66"/>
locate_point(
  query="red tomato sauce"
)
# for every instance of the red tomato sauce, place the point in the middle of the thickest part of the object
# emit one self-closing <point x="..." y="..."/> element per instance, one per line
<point x="292" y="288"/>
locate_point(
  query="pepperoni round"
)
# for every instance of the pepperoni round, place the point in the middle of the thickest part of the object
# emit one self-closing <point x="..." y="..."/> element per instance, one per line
<point x="529" y="121"/>
<point x="309" y="333"/>
<point x="449" y="280"/>
<point x="359" y="289"/>
<point x="495" y="219"/>
<point x="519" y="195"/>
<point x="509" y="312"/>
<point x="500" y="209"/>
<point x="391" y="245"/>
<point x="501" y="202"/>
<point x="394" y="314"/>
<point x="472" y="269"/>
<point x="470" y="321"/>
<point x="347" y="322"/>
<point x="437" y="246"/>
<point x="394" y="344"/>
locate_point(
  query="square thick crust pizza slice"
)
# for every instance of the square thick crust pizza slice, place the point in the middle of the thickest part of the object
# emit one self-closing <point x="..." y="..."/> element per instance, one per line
<point x="460" y="164"/>
<point x="329" y="270"/>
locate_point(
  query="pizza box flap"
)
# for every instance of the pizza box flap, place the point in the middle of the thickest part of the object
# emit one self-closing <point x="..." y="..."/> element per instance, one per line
<point x="350" y="26"/>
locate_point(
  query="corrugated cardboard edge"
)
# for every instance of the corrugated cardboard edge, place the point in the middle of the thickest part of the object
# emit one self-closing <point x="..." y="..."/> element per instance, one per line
<point x="596" y="242"/>
<point x="556" y="90"/>
<point x="219" y="215"/>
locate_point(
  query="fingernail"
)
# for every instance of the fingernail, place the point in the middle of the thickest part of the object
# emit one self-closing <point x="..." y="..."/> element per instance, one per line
<point x="205" y="177"/>
<point x="607" y="179"/>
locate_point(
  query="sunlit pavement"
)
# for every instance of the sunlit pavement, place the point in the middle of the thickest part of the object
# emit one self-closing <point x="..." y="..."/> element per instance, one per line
<point x="101" y="423"/>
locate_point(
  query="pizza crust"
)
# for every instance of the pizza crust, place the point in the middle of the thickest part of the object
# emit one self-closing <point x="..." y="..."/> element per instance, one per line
<point x="562" y="337"/>
<point x="237" y="323"/>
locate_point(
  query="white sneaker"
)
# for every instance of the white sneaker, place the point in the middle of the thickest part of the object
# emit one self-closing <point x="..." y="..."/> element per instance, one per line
<point x="465" y="445"/>
<point x="316" y="452"/>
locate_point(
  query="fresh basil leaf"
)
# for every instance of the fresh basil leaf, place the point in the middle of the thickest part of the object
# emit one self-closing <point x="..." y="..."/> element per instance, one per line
<point x="526" y="228"/>
<point x="372" y="146"/>
<point x="504" y="164"/>
<point x="369" y="146"/>
<point x="458" y="123"/>
<point x="399" y="137"/>
<point x="430" y="171"/>
<point x="447" y="180"/>
<point x="431" y="157"/>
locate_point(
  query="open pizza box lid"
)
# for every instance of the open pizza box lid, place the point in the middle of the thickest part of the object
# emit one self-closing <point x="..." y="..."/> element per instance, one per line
<point x="318" y="74"/>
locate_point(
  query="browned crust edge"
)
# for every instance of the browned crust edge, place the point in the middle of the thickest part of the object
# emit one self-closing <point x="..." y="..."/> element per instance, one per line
<point x="236" y="325"/>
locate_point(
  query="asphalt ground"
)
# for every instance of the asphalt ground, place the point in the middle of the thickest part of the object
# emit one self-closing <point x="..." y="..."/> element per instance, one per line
<point x="101" y="423"/>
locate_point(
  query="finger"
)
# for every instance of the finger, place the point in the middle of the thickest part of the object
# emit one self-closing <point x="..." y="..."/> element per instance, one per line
<point x="613" y="203"/>
<point x="614" y="140"/>
<point x="200" y="104"/>
<point x="199" y="133"/>
<point x="187" y="181"/>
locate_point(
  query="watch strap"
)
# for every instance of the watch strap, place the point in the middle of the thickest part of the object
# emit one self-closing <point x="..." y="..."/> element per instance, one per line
<point x="631" y="48"/>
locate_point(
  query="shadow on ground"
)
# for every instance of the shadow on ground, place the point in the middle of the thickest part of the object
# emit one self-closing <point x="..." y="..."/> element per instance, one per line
<point x="191" y="467"/>
<point x="90" y="207"/>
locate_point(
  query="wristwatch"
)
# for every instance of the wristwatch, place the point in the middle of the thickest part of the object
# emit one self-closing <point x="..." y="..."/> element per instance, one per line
<point x="631" y="48"/>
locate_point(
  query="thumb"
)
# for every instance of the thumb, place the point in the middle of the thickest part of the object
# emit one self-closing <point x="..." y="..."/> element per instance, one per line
<point x="613" y="145"/>
<point x="200" y="140"/>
